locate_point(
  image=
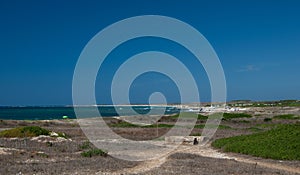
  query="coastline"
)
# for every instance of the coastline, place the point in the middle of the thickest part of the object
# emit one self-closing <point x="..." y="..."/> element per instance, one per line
<point x="47" y="155"/>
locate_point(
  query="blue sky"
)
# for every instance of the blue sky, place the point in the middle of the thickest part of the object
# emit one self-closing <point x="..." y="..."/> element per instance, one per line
<point x="258" y="44"/>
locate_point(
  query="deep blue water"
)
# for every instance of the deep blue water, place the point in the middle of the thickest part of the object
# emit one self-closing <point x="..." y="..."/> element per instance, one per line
<point x="49" y="113"/>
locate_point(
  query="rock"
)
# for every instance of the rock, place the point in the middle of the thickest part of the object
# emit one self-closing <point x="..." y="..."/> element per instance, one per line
<point x="53" y="134"/>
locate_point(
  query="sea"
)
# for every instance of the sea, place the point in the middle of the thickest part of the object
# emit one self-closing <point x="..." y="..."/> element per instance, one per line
<point x="57" y="112"/>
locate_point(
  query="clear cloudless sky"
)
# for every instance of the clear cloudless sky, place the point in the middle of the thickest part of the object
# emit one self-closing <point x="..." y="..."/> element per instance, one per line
<point x="257" y="41"/>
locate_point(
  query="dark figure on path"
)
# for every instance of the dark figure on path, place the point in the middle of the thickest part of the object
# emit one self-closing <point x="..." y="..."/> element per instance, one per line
<point x="195" y="141"/>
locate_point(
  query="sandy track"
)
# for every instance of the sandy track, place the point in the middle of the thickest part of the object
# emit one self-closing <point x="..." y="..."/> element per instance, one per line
<point x="207" y="151"/>
<point x="204" y="151"/>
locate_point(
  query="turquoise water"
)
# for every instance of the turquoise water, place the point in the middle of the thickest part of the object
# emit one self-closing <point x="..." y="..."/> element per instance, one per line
<point x="49" y="113"/>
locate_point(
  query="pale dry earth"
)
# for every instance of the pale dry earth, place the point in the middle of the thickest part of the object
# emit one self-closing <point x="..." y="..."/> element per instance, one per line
<point x="62" y="156"/>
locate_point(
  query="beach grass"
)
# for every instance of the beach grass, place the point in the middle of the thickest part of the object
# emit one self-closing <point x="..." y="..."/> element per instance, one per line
<point x="267" y="119"/>
<point x="224" y="116"/>
<point x="202" y="117"/>
<point x="256" y="129"/>
<point x="228" y="116"/>
<point x="287" y="117"/>
<point x="84" y="145"/>
<point x="185" y="115"/>
<point x="26" y="131"/>
<point x="124" y="124"/>
<point x="267" y="125"/>
<point x="281" y="142"/>
<point x="161" y="125"/>
<point x="196" y="134"/>
<point x="213" y="126"/>
<point x="94" y="152"/>
<point x="29" y="131"/>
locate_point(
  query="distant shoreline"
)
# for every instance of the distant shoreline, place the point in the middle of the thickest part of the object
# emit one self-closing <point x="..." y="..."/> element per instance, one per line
<point x="63" y="112"/>
<point x="158" y="104"/>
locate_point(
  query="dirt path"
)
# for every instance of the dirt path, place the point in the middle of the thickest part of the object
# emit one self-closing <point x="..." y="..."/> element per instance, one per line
<point x="204" y="151"/>
<point x="207" y="151"/>
<point x="270" y="165"/>
<point x="147" y="165"/>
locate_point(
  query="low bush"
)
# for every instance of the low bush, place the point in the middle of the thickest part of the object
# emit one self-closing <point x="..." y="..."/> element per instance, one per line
<point x="241" y="121"/>
<point x="42" y="154"/>
<point x="195" y="134"/>
<point x="29" y="131"/>
<point x="202" y="117"/>
<point x="256" y="129"/>
<point x="130" y="125"/>
<point x="267" y="119"/>
<point x="26" y="131"/>
<point x="287" y="116"/>
<point x="227" y="116"/>
<point x="63" y="135"/>
<point x="94" y="152"/>
<point x="123" y="125"/>
<point x="268" y="126"/>
<point x="159" y="126"/>
<point x="213" y="126"/>
<point x="281" y="142"/>
<point x="85" y="145"/>
<point x="190" y="115"/>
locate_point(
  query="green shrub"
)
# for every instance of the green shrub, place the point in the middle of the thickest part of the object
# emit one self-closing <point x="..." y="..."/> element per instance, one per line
<point x="159" y="126"/>
<point x="85" y="145"/>
<point x="287" y="116"/>
<point x="202" y="117"/>
<point x="63" y="135"/>
<point x="175" y="116"/>
<point x="227" y="116"/>
<point x="213" y="126"/>
<point x="282" y="142"/>
<point x="243" y="121"/>
<point x="267" y="119"/>
<point x="94" y="152"/>
<point x="190" y="115"/>
<point x="49" y="144"/>
<point x="123" y="124"/>
<point x="130" y="125"/>
<point x="26" y="131"/>
<point x="255" y="129"/>
<point x="41" y="154"/>
<point x="271" y="125"/>
<point x="195" y="134"/>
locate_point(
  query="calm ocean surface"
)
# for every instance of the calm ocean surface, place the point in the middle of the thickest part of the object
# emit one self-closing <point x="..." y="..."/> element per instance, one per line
<point x="49" y="113"/>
